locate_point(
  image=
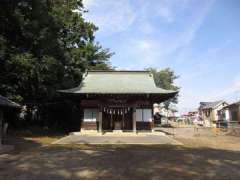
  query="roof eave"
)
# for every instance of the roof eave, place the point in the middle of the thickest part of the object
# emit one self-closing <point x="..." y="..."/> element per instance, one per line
<point x="133" y="93"/>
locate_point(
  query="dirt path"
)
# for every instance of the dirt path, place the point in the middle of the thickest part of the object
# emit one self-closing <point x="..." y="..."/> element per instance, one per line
<point x="208" y="138"/>
<point x="199" y="158"/>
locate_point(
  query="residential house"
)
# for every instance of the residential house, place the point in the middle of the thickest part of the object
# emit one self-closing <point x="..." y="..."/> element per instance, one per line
<point x="117" y="100"/>
<point x="167" y="114"/>
<point x="232" y="114"/>
<point x="210" y="112"/>
<point x="194" y="117"/>
<point x="160" y="108"/>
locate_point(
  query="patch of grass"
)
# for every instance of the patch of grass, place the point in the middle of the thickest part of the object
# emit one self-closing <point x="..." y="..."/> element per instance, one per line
<point x="36" y="131"/>
<point x="32" y="137"/>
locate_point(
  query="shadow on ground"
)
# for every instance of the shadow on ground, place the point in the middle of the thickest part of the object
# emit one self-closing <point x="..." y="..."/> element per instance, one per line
<point x="120" y="162"/>
<point x="31" y="138"/>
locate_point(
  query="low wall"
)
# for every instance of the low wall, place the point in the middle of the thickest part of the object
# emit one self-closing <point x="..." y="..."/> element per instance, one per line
<point x="145" y="125"/>
<point x="89" y="125"/>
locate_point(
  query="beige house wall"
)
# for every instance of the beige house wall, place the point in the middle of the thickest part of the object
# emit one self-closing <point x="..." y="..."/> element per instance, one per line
<point x="213" y="116"/>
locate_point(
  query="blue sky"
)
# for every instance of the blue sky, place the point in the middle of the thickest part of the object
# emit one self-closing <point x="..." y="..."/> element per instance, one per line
<point x="199" y="40"/>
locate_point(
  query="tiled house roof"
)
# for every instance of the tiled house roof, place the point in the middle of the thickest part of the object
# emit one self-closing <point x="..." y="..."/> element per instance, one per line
<point x="210" y="105"/>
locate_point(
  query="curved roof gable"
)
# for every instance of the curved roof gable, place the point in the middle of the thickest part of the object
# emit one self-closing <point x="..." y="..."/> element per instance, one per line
<point x="118" y="82"/>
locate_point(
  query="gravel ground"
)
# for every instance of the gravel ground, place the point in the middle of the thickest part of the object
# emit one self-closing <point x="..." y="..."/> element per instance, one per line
<point x="204" y="156"/>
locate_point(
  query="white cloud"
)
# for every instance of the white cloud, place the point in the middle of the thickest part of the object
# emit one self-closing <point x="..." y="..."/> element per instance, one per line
<point x="89" y="3"/>
<point x="147" y="28"/>
<point x="189" y="34"/>
<point x="148" y="50"/>
<point x="150" y="47"/>
<point x="165" y="10"/>
<point x="232" y="90"/>
<point x="109" y="15"/>
<point x="162" y="47"/>
<point x="112" y="16"/>
<point x="190" y="95"/>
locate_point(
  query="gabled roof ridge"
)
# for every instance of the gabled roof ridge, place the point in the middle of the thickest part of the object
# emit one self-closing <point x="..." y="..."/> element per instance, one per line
<point x="211" y="101"/>
<point x="118" y="82"/>
<point x="213" y="104"/>
<point x="118" y="71"/>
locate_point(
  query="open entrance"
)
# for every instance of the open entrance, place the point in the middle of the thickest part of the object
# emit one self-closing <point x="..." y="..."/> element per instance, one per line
<point x="117" y="119"/>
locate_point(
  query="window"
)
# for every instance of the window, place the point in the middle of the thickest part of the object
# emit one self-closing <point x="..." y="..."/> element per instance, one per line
<point x="90" y="115"/>
<point x="234" y="115"/>
<point x="207" y="113"/>
<point x="144" y="115"/>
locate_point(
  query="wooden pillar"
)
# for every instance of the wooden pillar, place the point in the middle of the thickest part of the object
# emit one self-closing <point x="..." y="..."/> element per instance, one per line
<point x="100" y="119"/>
<point x="111" y="121"/>
<point x="1" y="127"/>
<point x="238" y="109"/>
<point x="123" y="120"/>
<point x="152" y="123"/>
<point x="134" y="119"/>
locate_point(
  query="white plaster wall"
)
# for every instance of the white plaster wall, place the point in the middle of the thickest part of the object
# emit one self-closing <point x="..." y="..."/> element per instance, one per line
<point x="227" y="115"/>
<point x="218" y="108"/>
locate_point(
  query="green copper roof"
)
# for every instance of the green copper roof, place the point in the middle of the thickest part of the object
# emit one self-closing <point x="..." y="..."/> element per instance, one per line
<point x="118" y="82"/>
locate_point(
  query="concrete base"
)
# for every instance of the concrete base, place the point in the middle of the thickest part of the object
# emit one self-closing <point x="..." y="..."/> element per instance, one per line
<point x="120" y="138"/>
<point x="86" y="132"/>
<point x="117" y="133"/>
<point x="6" y="148"/>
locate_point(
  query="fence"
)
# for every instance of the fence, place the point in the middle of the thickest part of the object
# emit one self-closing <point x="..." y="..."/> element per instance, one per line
<point x="190" y="129"/>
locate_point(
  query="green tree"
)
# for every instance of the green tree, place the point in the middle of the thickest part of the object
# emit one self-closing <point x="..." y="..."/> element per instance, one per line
<point x="165" y="79"/>
<point x="45" y="45"/>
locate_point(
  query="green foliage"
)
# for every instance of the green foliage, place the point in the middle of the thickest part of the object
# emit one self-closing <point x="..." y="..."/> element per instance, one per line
<point x="165" y="79"/>
<point x="45" y="45"/>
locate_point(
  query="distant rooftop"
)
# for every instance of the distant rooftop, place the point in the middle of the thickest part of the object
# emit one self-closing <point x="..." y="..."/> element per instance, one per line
<point x="209" y="105"/>
<point x="233" y="104"/>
